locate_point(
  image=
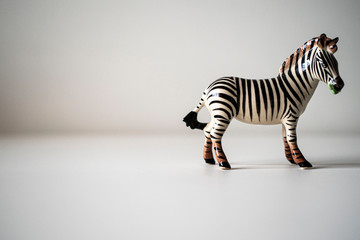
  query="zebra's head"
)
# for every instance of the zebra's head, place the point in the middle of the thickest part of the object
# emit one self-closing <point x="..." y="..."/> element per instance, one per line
<point x="325" y="67"/>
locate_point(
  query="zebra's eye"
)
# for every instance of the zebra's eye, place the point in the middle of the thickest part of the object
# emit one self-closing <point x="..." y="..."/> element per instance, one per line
<point x="324" y="65"/>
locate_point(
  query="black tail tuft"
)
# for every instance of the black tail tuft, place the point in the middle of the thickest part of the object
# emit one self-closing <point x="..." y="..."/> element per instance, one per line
<point x="192" y="122"/>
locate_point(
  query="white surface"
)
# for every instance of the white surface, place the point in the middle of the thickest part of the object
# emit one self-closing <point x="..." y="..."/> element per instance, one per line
<point x="157" y="187"/>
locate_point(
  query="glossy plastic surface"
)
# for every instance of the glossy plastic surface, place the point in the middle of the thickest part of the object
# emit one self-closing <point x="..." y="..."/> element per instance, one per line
<point x="277" y="100"/>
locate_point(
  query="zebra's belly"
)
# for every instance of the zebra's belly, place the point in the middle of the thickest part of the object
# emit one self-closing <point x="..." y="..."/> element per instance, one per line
<point x="257" y="120"/>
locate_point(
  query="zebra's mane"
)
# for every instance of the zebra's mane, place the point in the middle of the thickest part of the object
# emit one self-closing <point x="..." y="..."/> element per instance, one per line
<point x="298" y="54"/>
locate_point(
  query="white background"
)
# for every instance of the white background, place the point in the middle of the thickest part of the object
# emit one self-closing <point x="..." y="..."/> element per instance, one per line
<point x="140" y="66"/>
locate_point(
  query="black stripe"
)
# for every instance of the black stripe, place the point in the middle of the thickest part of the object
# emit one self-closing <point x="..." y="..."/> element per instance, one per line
<point x="257" y="98"/>
<point x="283" y="66"/>
<point x="223" y="110"/>
<point x="292" y="111"/>
<point x="271" y="97"/>
<point x="327" y="73"/>
<point x="243" y="86"/>
<point x="334" y="63"/>
<point x="284" y="80"/>
<point x="293" y="120"/>
<point x="224" y="121"/>
<point x="286" y="96"/>
<point x="309" y="54"/>
<point x="312" y="43"/>
<point x="296" y="83"/>
<point x="223" y="103"/>
<point x="298" y="73"/>
<point x="221" y="119"/>
<point x="223" y="80"/>
<point x="228" y="78"/>
<point x="277" y="94"/>
<point x="224" y="96"/>
<point x="292" y="76"/>
<point x="231" y="85"/>
<point x="285" y="107"/>
<point x="237" y="95"/>
<point x="220" y="116"/>
<point x="328" y="61"/>
<point x="212" y="137"/>
<point x="303" y="62"/>
<point x="249" y="97"/>
<point x="305" y="70"/>
<point x="220" y="130"/>
<point x="290" y="60"/>
<point x="319" y="71"/>
<point x="263" y="90"/>
<point x="322" y="56"/>
<point x="224" y="88"/>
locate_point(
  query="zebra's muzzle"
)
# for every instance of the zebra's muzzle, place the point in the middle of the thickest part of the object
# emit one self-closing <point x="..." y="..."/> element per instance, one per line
<point x="336" y="85"/>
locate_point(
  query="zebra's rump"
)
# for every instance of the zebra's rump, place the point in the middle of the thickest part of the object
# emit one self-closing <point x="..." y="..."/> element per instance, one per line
<point x="248" y="100"/>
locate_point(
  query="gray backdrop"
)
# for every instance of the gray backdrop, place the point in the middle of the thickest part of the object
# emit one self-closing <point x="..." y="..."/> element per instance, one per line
<point x="140" y="66"/>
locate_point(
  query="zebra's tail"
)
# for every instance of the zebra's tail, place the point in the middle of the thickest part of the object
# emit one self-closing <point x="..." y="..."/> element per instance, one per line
<point x="191" y="119"/>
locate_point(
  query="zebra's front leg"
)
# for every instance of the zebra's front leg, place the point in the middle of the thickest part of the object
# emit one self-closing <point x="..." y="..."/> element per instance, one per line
<point x="216" y="134"/>
<point x="288" y="154"/>
<point x="297" y="156"/>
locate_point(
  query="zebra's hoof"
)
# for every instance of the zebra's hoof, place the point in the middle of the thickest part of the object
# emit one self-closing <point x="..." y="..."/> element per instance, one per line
<point x="305" y="165"/>
<point x="224" y="165"/>
<point x="210" y="161"/>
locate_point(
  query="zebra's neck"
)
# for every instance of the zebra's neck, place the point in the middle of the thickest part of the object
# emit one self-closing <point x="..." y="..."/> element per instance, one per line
<point x="297" y="89"/>
<point x="297" y="77"/>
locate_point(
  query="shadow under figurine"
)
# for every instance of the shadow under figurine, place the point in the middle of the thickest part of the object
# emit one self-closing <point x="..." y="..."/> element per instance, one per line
<point x="279" y="100"/>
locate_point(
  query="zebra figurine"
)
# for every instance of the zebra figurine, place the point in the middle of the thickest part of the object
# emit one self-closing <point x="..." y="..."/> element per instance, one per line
<point x="279" y="100"/>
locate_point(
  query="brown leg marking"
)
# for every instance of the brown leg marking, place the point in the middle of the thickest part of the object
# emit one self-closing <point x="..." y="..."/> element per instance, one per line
<point x="207" y="152"/>
<point x="289" y="134"/>
<point x="296" y="154"/>
<point x="288" y="154"/>
<point x="220" y="155"/>
<point x="299" y="157"/>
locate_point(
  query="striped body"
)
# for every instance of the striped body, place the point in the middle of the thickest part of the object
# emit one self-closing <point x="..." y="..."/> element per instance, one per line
<point x="265" y="101"/>
<point x="279" y="100"/>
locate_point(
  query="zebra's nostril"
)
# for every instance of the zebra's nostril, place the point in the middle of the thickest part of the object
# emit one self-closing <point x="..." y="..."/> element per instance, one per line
<point x="339" y="83"/>
<point x="337" y="88"/>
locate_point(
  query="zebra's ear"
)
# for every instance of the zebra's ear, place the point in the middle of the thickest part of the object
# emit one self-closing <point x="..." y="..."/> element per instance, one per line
<point x="322" y="41"/>
<point x="332" y="47"/>
<point x="334" y="41"/>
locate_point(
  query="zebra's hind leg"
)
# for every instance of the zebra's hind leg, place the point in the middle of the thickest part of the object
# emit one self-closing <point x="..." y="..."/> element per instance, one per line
<point x="220" y="155"/>
<point x="216" y="133"/>
<point x="207" y="152"/>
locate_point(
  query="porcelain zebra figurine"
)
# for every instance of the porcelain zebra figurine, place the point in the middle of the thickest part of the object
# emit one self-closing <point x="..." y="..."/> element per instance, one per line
<point x="279" y="100"/>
